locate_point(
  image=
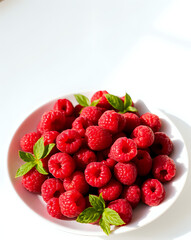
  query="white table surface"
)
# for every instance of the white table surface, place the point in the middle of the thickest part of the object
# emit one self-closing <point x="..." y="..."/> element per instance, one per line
<point x="50" y="48"/>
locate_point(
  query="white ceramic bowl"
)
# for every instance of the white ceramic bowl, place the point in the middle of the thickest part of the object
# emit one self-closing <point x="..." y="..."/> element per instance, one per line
<point x="142" y="215"/>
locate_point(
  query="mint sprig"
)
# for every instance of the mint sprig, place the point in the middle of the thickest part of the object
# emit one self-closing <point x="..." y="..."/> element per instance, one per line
<point x="98" y="210"/>
<point x="40" y="151"/>
<point x="84" y="101"/>
<point x="119" y="105"/>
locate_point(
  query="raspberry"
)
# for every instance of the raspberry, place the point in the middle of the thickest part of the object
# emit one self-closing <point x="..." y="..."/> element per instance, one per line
<point x="77" y="110"/>
<point x="33" y="180"/>
<point x="143" y="136"/>
<point x="103" y="154"/>
<point x="76" y="181"/>
<point x="151" y="120"/>
<point x="28" y="140"/>
<point x="69" y="141"/>
<point x="123" y="150"/>
<point x="98" y="138"/>
<point x="97" y="174"/>
<point x="132" y="194"/>
<point x="162" y="144"/>
<point x="91" y="113"/>
<point x="50" y="137"/>
<point x="112" y="121"/>
<point x="61" y="165"/>
<point x="152" y="192"/>
<point x="111" y="191"/>
<point x="125" y="173"/>
<point x="131" y="122"/>
<point x="72" y="203"/>
<point x="143" y="162"/>
<point x="80" y="124"/>
<point x="69" y="121"/>
<point x="53" y="208"/>
<point x="64" y="105"/>
<point x="103" y="100"/>
<point x="53" y="120"/>
<point x="164" y="168"/>
<point x="83" y="157"/>
<point x="118" y="135"/>
<point x="50" y="188"/>
<point x="123" y="208"/>
<point x="109" y="162"/>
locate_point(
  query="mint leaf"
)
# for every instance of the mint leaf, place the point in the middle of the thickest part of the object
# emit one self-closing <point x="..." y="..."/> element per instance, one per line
<point x="96" y="202"/>
<point x="82" y="100"/>
<point x="115" y="102"/>
<point x="38" y="148"/>
<point x="25" y="168"/>
<point x="89" y="215"/>
<point x="40" y="169"/>
<point x="95" y="102"/>
<point x="47" y="149"/>
<point x="25" y="156"/>
<point x="112" y="217"/>
<point x="131" y="109"/>
<point x="104" y="225"/>
<point x="127" y="101"/>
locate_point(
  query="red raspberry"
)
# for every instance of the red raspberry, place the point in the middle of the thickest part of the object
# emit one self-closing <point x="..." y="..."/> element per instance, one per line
<point x="123" y="150"/>
<point x="50" y="137"/>
<point x="28" y="140"/>
<point x="143" y="162"/>
<point x="91" y="113"/>
<point x="33" y="180"/>
<point x="53" y="120"/>
<point x="118" y="135"/>
<point x="69" y="141"/>
<point x="123" y="208"/>
<point x="151" y="120"/>
<point x="76" y="181"/>
<point x="152" y="192"/>
<point x="53" y="208"/>
<point x="77" y="110"/>
<point x="50" y="188"/>
<point x="164" y="168"/>
<point x="132" y="194"/>
<point x="109" y="162"/>
<point x="72" y="203"/>
<point x="64" y="105"/>
<point x="97" y="174"/>
<point x="103" y="155"/>
<point x="80" y="124"/>
<point x="125" y="173"/>
<point x="112" y="121"/>
<point x="131" y="122"/>
<point x="111" y="191"/>
<point x="98" y="138"/>
<point x="61" y="165"/>
<point x="143" y="136"/>
<point x="103" y="100"/>
<point x="83" y="157"/>
<point x="162" y="144"/>
<point x="69" y="121"/>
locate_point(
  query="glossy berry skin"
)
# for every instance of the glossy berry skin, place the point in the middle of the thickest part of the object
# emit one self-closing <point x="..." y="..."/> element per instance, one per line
<point x="61" y="165"/>
<point x="152" y="192"/>
<point x="162" y="144"/>
<point x="132" y="194"/>
<point x="91" y="113"/>
<point x="143" y="162"/>
<point x="53" y="208"/>
<point x="80" y="124"/>
<point x="164" y="168"/>
<point x="72" y="203"/>
<point x="97" y="174"/>
<point x="64" y="105"/>
<point x="125" y="173"/>
<point x="123" y="208"/>
<point x="98" y="138"/>
<point x="69" y="141"/>
<point x="28" y="140"/>
<point x="131" y="122"/>
<point x="123" y="150"/>
<point x="143" y="136"/>
<point x="151" y="120"/>
<point x="50" y="188"/>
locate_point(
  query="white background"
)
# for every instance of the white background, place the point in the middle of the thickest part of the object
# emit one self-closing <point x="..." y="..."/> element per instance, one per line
<point x="50" y="48"/>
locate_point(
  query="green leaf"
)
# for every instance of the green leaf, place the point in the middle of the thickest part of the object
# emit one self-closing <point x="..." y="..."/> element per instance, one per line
<point x="89" y="215"/>
<point x="25" y="168"/>
<point x="115" y="101"/>
<point x="40" y="169"/>
<point x="104" y="225"/>
<point x="131" y="109"/>
<point x="82" y="100"/>
<point x="127" y="101"/>
<point x="25" y="156"/>
<point x="47" y="149"/>
<point x="95" y="102"/>
<point x="38" y="148"/>
<point x="112" y="217"/>
<point x="96" y="202"/>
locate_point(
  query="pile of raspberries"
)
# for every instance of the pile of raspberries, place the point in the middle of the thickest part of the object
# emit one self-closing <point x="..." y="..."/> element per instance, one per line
<point x="97" y="150"/>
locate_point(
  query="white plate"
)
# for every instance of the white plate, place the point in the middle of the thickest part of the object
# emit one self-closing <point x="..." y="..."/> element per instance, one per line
<point x="142" y="215"/>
